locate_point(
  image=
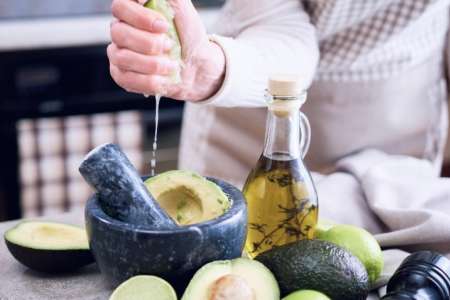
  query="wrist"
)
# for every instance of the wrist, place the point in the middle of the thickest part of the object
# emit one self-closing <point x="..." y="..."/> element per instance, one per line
<point x="208" y="70"/>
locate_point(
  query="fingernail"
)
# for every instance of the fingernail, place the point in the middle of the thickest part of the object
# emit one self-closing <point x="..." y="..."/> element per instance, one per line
<point x="160" y="26"/>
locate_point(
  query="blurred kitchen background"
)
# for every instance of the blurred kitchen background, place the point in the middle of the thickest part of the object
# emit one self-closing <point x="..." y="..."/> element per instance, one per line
<point x="58" y="101"/>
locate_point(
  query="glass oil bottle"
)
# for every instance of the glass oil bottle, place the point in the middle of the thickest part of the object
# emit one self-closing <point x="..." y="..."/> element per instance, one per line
<point x="281" y="197"/>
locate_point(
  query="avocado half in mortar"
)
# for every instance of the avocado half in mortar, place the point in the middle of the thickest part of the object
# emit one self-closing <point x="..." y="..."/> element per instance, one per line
<point x="188" y="197"/>
<point x="49" y="247"/>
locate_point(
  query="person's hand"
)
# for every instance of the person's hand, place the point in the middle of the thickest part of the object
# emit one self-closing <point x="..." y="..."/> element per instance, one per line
<point x="138" y="54"/>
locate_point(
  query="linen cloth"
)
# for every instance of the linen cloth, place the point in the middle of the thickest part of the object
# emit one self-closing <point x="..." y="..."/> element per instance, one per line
<point x="398" y="198"/>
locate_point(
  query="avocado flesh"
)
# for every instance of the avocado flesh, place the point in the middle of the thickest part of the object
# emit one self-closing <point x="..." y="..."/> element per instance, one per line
<point x="251" y="281"/>
<point x="188" y="197"/>
<point x="48" y="236"/>
<point x="49" y="247"/>
<point x="317" y="265"/>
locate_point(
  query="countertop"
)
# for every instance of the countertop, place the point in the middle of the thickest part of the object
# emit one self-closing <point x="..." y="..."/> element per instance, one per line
<point x="19" y="283"/>
<point x="25" y="34"/>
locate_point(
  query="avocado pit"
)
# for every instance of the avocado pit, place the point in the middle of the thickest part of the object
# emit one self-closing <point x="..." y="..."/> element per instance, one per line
<point x="231" y="287"/>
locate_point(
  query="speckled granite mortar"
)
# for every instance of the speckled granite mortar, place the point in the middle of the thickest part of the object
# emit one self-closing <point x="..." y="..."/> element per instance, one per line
<point x="123" y="250"/>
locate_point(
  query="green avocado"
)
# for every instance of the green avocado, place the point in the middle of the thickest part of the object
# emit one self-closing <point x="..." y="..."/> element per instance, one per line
<point x="188" y="197"/>
<point x="49" y="247"/>
<point x="238" y="279"/>
<point x="320" y="266"/>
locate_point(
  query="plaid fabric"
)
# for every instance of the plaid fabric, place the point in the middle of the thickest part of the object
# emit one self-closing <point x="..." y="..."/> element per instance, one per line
<point x="51" y="150"/>
<point x="371" y="40"/>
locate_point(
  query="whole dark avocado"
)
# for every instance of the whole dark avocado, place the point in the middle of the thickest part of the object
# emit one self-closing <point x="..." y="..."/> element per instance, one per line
<point x="317" y="265"/>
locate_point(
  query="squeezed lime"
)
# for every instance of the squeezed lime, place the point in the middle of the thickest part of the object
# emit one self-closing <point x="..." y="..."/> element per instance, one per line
<point x="164" y="8"/>
<point x="144" y="287"/>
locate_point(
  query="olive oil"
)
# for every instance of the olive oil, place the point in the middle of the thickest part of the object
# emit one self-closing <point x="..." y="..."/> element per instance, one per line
<point x="281" y="197"/>
<point x="281" y="209"/>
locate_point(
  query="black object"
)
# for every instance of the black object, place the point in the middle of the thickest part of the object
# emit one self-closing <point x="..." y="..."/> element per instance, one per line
<point x="423" y="275"/>
<point x="317" y="265"/>
<point x="122" y="193"/>
<point x="123" y="250"/>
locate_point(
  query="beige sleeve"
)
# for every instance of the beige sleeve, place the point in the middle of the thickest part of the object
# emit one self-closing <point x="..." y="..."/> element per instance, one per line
<point x="259" y="38"/>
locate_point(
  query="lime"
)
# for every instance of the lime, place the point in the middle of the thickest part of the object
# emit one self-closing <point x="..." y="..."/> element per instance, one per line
<point x="322" y="226"/>
<point x="306" y="295"/>
<point x="164" y="8"/>
<point x="144" y="287"/>
<point x="360" y="243"/>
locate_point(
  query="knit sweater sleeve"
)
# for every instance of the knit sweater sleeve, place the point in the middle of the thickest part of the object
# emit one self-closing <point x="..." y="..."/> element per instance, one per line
<point x="260" y="38"/>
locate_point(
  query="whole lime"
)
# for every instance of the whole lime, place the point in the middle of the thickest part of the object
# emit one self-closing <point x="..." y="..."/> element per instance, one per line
<point x="306" y="295"/>
<point x="323" y="226"/>
<point x="361" y="244"/>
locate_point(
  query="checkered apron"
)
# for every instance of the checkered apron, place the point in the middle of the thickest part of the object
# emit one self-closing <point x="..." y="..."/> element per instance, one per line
<point x="380" y="84"/>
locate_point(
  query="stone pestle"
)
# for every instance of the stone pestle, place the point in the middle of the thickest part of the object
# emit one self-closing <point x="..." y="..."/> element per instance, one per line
<point x="122" y="193"/>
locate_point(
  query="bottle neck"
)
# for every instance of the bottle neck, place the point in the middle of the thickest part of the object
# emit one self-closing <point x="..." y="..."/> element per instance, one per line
<point x="282" y="140"/>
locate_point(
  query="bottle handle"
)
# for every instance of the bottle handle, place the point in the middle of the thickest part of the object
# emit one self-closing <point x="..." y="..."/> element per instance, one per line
<point x="305" y="133"/>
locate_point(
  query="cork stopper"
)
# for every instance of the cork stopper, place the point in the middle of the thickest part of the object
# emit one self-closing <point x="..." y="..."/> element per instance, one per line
<point x="287" y="94"/>
<point x="288" y="85"/>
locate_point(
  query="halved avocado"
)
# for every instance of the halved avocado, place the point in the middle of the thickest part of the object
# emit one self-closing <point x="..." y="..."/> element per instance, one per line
<point x="188" y="197"/>
<point x="238" y="279"/>
<point x="49" y="247"/>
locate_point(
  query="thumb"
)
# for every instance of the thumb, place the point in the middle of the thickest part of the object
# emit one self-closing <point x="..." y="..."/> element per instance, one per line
<point x="190" y="27"/>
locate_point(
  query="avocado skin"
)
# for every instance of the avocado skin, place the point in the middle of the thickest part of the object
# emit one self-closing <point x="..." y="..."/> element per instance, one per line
<point x="317" y="265"/>
<point x="50" y="261"/>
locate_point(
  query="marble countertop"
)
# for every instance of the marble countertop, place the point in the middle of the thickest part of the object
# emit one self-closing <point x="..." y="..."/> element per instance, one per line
<point x="65" y="32"/>
<point x="19" y="282"/>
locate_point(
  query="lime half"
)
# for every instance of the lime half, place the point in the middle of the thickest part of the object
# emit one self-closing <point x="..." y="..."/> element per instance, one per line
<point x="164" y="8"/>
<point x="144" y="287"/>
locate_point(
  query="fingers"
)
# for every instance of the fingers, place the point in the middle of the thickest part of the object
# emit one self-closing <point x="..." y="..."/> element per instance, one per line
<point x="125" y="36"/>
<point x="138" y="83"/>
<point x="139" y="16"/>
<point x="144" y="64"/>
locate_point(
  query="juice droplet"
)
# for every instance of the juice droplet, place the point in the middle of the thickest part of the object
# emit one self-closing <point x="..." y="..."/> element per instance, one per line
<point x="155" y="137"/>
